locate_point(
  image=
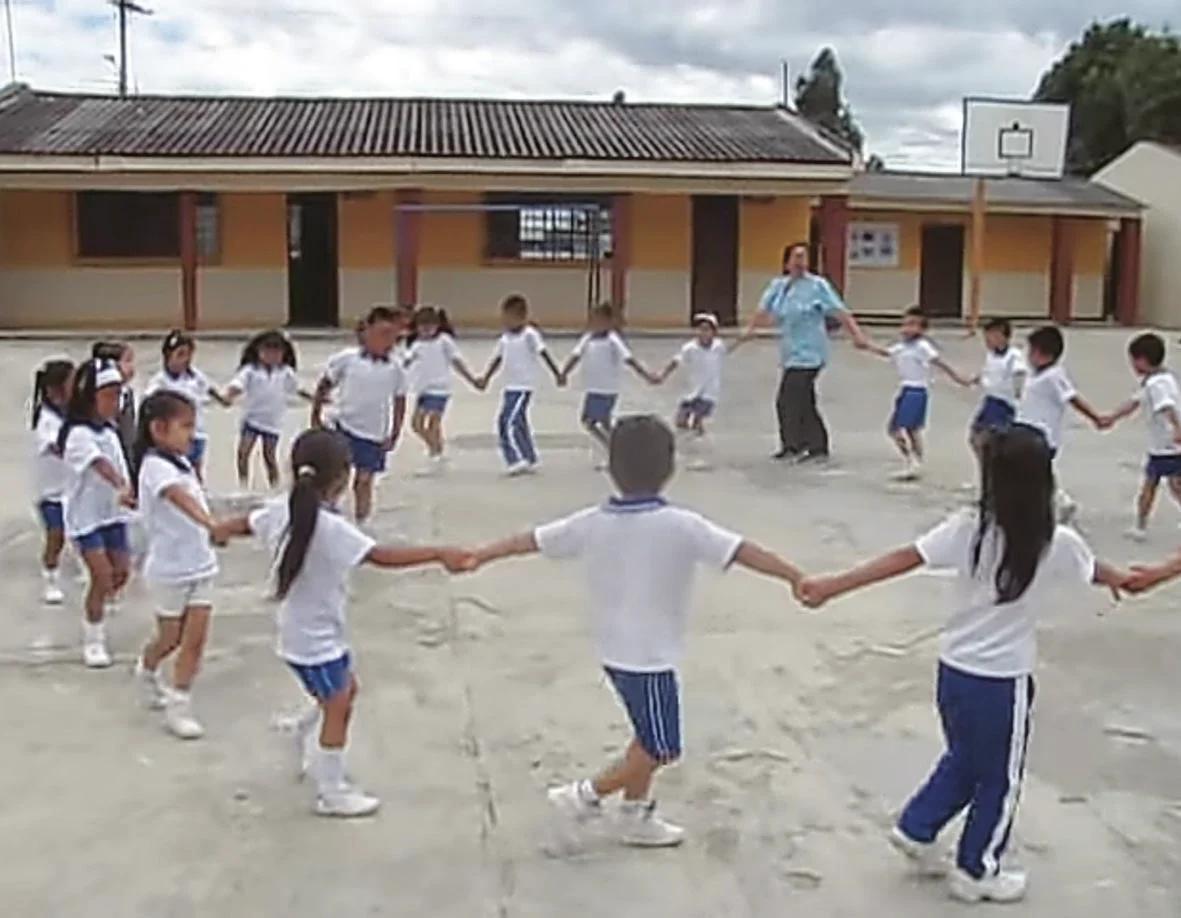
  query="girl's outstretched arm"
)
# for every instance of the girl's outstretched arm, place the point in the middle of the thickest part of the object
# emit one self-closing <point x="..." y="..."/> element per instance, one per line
<point x="456" y="560"/>
<point x="756" y="558"/>
<point x="1145" y="577"/>
<point x="524" y="543"/>
<point x="472" y="380"/>
<point x="553" y="367"/>
<point x="1111" y="577"/>
<point x="493" y="366"/>
<point x="816" y="591"/>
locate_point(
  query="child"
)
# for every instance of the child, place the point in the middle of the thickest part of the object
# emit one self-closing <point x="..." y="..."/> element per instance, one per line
<point x="1008" y="556"/>
<point x="317" y="550"/>
<point x="180" y="565"/>
<point x="266" y="377"/>
<point x="97" y="491"/>
<point x="913" y="356"/>
<point x="702" y="358"/>
<point x="179" y="375"/>
<point x="518" y="351"/>
<point x="1159" y="398"/>
<point x="372" y="400"/>
<point x="432" y="356"/>
<point x="51" y="392"/>
<point x="602" y="353"/>
<point x="1002" y="378"/>
<point x="122" y="355"/>
<point x="640" y="555"/>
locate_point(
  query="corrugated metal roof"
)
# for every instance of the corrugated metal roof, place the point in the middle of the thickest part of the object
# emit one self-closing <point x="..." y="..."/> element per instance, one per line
<point x="1037" y="194"/>
<point x="71" y="125"/>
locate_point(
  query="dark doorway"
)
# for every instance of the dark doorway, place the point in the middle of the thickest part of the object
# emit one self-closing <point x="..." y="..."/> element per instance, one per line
<point x="313" y="291"/>
<point x="941" y="275"/>
<point x="715" y="257"/>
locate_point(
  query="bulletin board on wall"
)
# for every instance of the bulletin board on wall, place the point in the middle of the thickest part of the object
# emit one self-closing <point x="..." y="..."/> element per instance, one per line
<point x="873" y="245"/>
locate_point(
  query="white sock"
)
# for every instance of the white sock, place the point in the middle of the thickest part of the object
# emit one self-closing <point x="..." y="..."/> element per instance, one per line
<point x="93" y="633"/>
<point x="586" y="792"/>
<point x="329" y="769"/>
<point x="179" y="697"/>
<point x="633" y="807"/>
<point x="50" y="574"/>
<point x="307" y="718"/>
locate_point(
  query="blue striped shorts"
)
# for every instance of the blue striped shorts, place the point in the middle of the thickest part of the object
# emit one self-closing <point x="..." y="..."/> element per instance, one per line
<point x="325" y="680"/>
<point x="653" y="703"/>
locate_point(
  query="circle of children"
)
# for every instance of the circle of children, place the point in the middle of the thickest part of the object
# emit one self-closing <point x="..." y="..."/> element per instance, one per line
<point x="99" y="457"/>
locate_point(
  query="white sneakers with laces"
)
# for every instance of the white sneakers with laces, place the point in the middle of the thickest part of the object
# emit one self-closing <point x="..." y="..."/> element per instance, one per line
<point x="150" y="687"/>
<point x="1005" y="886"/>
<point x="179" y="719"/>
<point x="346" y="802"/>
<point x="640" y="827"/>
<point x="637" y="824"/>
<point x="94" y="646"/>
<point x="924" y="857"/>
<point x="51" y="590"/>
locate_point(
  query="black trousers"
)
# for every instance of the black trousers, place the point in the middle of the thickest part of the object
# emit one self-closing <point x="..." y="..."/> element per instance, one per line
<point x="801" y="428"/>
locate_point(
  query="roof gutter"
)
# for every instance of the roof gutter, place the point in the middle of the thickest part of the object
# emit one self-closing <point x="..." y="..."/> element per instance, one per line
<point x="960" y="206"/>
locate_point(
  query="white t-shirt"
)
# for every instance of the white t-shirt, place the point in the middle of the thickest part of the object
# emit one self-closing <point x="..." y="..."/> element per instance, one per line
<point x="265" y="394"/>
<point x="91" y="502"/>
<point x="1001" y="373"/>
<point x="912" y="359"/>
<point x="49" y="471"/>
<point x="429" y="361"/>
<point x="367" y="389"/>
<point x="179" y="551"/>
<point x="985" y="638"/>
<point x="312" y="617"/>
<point x="1158" y="393"/>
<point x="1043" y="403"/>
<point x="639" y="558"/>
<point x="703" y="367"/>
<point x="193" y="385"/>
<point x="520" y="351"/>
<point x="602" y="359"/>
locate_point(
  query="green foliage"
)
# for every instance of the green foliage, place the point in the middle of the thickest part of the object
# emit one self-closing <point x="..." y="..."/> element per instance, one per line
<point x="819" y="98"/>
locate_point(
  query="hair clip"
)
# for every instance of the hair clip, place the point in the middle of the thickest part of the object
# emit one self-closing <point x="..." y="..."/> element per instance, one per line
<point x="306" y="471"/>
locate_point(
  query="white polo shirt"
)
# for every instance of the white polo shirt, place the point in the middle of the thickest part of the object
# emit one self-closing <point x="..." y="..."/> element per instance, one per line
<point x="912" y="359"/>
<point x="703" y="368"/>
<point x="49" y="471"/>
<point x="90" y="502"/>
<point x="179" y="551"/>
<point x="519" y="353"/>
<point x="193" y="385"/>
<point x="602" y="357"/>
<point x="639" y="558"/>
<point x="1157" y="394"/>
<point x="265" y="395"/>
<point x="983" y="637"/>
<point x="1001" y="375"/>
<point x="1043" y="403"/>
<point x="367" y="389"/>
<point x="429" y="361"/>
<point x="311" y="618"/>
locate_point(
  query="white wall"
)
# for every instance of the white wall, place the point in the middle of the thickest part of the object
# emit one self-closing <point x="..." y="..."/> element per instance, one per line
<point x="241" y="297"/>
<point x="85" y="297"/>
<point x="363" y="288"/>
<point x="658" y="298"/>
<point x="557" y="296"/>
<point x="881" y="291"/>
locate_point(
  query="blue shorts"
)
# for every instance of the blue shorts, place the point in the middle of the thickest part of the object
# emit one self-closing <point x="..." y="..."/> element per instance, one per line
<point x="111" y="538"/>
<point x="994" y="414"/>
<point x="52" y="515"/>
<point x="1052" y="450"/>
<point x="1158" y="467"/>
<point x="597" y="408"/>
<point x="268" y="438"/>
<point x="695" y="408"/>
<point x="910" y="409"/>
<point x="653" y="703"/>
<point x="324" y="680"/>
<point x="432" y="403"/>
<point x="196" y="453"/>
<point x="366" y="455"/>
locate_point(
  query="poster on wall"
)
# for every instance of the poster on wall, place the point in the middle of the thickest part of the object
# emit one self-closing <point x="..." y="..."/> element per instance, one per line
<point x="873" y="245"/>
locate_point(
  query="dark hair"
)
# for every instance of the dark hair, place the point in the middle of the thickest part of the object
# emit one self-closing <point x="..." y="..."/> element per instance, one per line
<point x="319" y="459"/>
<point x="515" y="304"/>
<point x="916" y="312"/>
<point x="603" y="311"/>
<point x="175" y="340"/>
<point x="251" y="353"/>
<point x="788" y="249"/>
<point x="53" y="374"/>
<point x="1148" y="347"/>
<point x="109" y="350"/>
<point x="1017" y="503"/>
<point x="641" y="455"/>
<point x="163" y="405"/>
<point x="80" y="407"/>
<point x="436" y="315"/>
<point x="997" y="324"/>
<point x="381" y="314"/>
<point x="1047" y="340"/>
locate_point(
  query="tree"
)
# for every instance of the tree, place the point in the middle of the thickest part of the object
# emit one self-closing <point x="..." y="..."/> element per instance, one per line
<point x="819" y="98"/>
<point x="1123" y="83"/>
<point x="875" y="164"/>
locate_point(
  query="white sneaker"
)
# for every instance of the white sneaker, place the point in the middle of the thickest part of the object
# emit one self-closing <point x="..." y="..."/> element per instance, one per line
<point x="151" y="690"/>
<point x="346" y="802"/>
<point x="1006" y="886"/>
<point x="306" y="743"/>
<point x="699" y="464"/>
<point x="570" y="803"/>
<point x="907" y="472"/>
<point x="95" y="655"/>
<point x="1136" y="534"/>
<point x="640" y="827"/>
<point x="51" y="592"/>
<point x="179" y="719"/>
<point x="924" y="857"/>
<point x="518" y="468"/>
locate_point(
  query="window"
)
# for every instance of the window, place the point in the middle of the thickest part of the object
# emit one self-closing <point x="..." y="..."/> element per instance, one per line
<point x="548" y="229"/>
<point x="141" y="224"/>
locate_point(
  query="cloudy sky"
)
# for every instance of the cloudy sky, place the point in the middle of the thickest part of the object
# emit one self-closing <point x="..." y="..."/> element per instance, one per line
<point x="906" y="67"/>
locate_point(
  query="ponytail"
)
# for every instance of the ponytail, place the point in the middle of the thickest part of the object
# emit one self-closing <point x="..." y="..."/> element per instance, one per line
<point x="445" y="326"/>
<point x="38" y="396"/>
<point x="51" y="375"/>
<point x="80" y="407"/>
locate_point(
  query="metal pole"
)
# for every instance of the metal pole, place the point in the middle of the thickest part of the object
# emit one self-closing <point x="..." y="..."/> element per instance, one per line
<point x="11" y="40"/>
<point x="122" y="48"/>
<point x="979" y="205"/>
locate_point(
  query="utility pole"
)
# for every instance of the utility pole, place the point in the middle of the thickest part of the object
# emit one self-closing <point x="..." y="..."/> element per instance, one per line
<point x="11" y="40"/>
<point x="124" y="7"/>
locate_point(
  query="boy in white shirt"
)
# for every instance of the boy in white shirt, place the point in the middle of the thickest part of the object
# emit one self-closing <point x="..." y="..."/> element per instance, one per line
<point x="1158" y="398"/>
<point x="702" y="358"/>
<point x="1002" y="378"/>
<point x="640" y="555"/>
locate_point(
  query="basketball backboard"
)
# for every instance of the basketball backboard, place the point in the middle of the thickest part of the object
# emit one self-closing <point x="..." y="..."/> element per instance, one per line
<point x="1004" y="137"/>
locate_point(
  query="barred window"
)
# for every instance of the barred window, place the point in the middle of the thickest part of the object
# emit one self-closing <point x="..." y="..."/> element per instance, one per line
<point x="548" y="229"/>
<point x="141" y="224"/>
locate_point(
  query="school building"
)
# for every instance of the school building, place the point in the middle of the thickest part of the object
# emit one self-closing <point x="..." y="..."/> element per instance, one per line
<point x="218" y="212"/>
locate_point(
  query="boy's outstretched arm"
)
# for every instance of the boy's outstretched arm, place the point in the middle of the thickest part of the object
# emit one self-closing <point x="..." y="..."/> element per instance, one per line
<point x="642" y="370"/>
<point x="1111" y="577"/>
<point x="1083" y="407"/>
<point x="756" y="558"/>
<point x="1145" y="577"/>
<point x="1126" y="410"/>
<point x="553" y="367"/>
<point x="816" y="591"/>
<point x="952" y="373"/>
<point x="524" y="543"/>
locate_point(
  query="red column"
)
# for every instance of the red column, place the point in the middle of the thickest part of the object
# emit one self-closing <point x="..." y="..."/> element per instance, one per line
<point x="621" y="250"/>
<point x="188" y="259"/>
<point x="407" y="244"/>
<point x="834" y="238"/>
<point x="1061" y="271"/>
<point x="1127" y="298"/>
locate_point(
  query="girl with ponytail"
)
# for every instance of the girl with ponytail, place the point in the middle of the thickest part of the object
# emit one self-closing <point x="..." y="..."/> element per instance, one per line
<point x="51" y="392"/>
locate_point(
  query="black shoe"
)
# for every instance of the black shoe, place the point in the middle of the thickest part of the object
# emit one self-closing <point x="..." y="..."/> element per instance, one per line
<point x="785" y="453"/>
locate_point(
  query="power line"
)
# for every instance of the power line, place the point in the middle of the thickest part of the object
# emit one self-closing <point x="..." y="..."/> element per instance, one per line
<point x="11" y="40"/>
<point x="124" y="7"/>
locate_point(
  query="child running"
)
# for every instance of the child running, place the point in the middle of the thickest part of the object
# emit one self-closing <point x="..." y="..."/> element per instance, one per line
<point x="913" y="356"/>
<point x="1008" y="556"/>
<point x="602" y="353"/>
<point x="51" y="393"/>
<point x="97" y="492"/>
<point x="639" y="555"/>
<point x="1002" y="378"/>
<point x="432" y="356"/>
<point x="1159" y="400"/>
<point x="266" y="379"/>
<point x="179" y="375"/>
<point x="371" y="403"/>
<point x="316" y="550"/>
<point x="180" y="565"/>
<point x="702" y="359"/>
<point x="122" y="355"/>
<point x="518" y="350"/>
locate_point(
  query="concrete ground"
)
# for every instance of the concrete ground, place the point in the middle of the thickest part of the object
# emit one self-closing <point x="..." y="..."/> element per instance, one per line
<point x="804" y="732"/>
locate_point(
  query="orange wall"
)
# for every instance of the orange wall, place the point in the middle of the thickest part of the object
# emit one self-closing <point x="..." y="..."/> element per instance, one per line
<point x="1090" y="246"/>
<point x="366" y="230"/>
<point x="253" y="231"/>
<point x="766" y="226"/>
<point x="662" y="232"/>
<point x="35" y="228"/>
<point x="453" y="238"/>
<point x="910" y="236"/>
<point x="1014" y="243"/>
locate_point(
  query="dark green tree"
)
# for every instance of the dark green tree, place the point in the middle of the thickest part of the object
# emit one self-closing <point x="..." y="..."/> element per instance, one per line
<point x="820" y="98"/>
<point x="1123" y="83"/>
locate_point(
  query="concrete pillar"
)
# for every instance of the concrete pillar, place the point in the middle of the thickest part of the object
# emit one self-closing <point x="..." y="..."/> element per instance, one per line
<point x="188" y="259"/>
<point x="621" y="251"/>
<point x="1061" y="271"/>
<point x="834" y="239"/>
<point x="407" y="245"/>
<point x="1127" y="296"/>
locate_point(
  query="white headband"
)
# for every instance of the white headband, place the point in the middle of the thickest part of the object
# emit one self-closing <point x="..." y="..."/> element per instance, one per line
<point x="706" y="317"/>
<point x="108" y="375"/>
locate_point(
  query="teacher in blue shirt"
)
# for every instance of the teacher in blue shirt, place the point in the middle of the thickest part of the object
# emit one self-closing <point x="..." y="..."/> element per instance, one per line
<point x="801" y="304"/>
